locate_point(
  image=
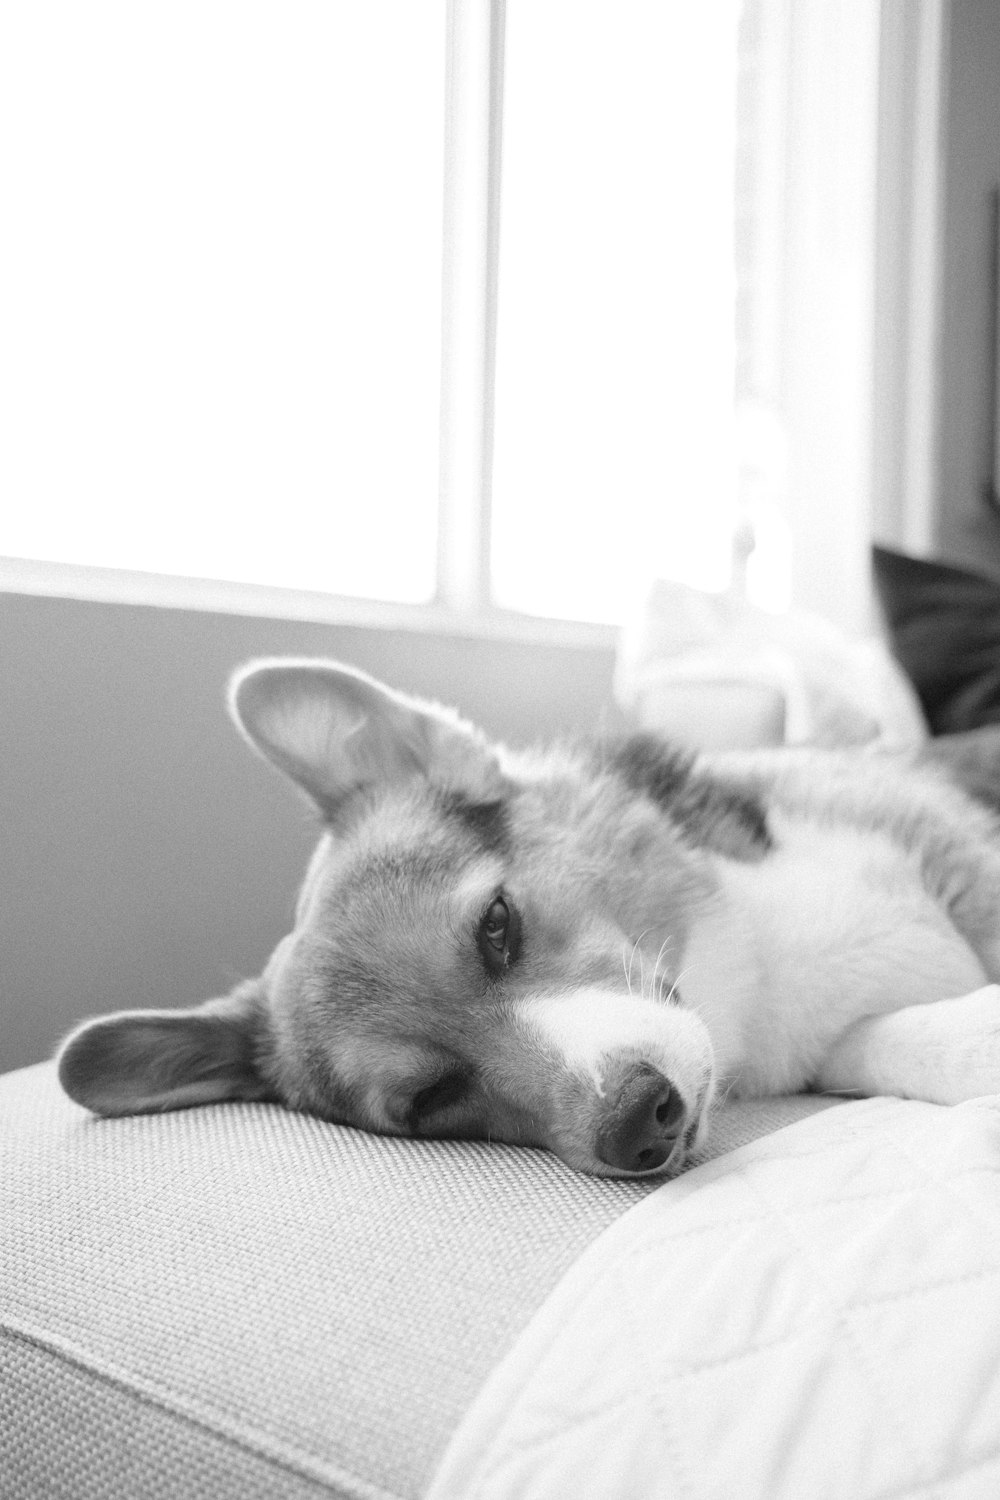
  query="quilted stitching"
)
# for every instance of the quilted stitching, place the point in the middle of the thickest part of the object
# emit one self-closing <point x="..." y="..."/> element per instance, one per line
<point x="819" y="1314"/>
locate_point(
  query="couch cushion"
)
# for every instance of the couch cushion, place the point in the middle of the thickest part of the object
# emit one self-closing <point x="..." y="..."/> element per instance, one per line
<point x="242" y="1301"/>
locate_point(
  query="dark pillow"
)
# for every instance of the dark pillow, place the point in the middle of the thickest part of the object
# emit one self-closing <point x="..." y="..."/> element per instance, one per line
<point x="944" y="629"/>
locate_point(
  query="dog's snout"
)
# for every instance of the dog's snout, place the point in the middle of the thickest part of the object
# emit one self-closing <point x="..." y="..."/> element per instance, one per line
<point x="639" y="1131"/>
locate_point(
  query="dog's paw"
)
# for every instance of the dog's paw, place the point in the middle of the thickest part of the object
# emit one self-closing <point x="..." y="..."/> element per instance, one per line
<point x="944" y="1052"/>
<point x="963" y="1039"/>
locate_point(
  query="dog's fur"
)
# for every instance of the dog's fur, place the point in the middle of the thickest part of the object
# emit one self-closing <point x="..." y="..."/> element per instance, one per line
<point x="581" y="949"/>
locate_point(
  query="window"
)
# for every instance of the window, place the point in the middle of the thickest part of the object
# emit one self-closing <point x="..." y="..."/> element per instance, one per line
<point x="221" y="274"/>
<point x="221" y="295"/>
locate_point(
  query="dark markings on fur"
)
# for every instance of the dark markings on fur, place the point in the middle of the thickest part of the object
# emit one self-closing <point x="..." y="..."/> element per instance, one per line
<point x="709" y="811"/>
<point x="486" y="820"/>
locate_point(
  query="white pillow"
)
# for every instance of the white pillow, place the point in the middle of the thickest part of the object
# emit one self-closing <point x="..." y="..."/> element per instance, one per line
<point x="716" y="671"/>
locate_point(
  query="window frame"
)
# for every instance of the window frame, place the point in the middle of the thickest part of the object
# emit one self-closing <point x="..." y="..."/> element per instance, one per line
<point x="463" y="602"/>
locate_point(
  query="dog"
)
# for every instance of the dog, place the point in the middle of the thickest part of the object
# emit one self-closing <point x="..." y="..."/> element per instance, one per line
<point x="583" y="948"/>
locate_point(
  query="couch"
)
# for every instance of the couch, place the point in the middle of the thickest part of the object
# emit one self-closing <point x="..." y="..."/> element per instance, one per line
<point x="239" y="1301"/>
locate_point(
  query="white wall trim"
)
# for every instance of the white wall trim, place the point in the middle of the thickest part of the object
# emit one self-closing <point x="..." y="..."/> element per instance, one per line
<point x="473" y="136"/>
<point x="913" y="71"/>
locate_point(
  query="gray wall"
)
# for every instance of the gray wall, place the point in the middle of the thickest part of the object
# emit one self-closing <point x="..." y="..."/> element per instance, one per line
<point x="146" y="856"/>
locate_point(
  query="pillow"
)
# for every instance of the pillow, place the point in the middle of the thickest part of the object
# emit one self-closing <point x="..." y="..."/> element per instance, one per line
<point x="944" y="627"/>
<point x="717" y="672"/>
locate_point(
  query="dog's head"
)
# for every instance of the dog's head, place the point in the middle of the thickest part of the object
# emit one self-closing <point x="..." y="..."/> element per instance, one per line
<point x="486" y="945"/>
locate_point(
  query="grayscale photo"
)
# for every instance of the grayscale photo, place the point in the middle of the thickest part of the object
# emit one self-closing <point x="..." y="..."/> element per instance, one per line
<point x="500" y="713"/>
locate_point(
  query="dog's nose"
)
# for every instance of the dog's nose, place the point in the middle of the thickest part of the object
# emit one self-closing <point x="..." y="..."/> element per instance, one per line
<point x="639" y="1131"/>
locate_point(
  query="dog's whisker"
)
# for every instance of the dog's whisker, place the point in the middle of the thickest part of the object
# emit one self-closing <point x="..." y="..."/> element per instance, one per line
<point x="676" y="983"/>
<point x="659" y="986"/>
<point x="635" y="949"/>
<point x="663" y="996"/>
<point x="719" y="1101"/>
<point x="674" y="987"/>
<point x="663" y="948"/>
<point x="631" y="961"/>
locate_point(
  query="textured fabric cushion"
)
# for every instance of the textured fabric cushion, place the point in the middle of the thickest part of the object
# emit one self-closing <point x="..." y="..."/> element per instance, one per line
<point x="240" y="1301"/>
<point x="944" y="625"/>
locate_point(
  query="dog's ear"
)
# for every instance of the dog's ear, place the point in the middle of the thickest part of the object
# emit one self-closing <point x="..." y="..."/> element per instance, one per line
<point x="141" y="1061"/>
<point x="335" y="730"/>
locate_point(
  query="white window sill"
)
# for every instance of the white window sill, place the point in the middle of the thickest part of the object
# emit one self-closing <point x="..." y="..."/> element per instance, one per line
<point x="166" y="591"/>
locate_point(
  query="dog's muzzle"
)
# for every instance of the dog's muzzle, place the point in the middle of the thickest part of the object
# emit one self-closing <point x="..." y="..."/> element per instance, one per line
<point x="639" y="1131"/>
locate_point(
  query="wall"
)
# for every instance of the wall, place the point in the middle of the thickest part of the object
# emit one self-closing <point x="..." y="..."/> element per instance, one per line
<point x="146" y="856"/>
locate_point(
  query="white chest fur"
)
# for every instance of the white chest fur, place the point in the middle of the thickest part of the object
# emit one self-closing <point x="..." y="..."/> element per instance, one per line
<point x="832" y="926"/>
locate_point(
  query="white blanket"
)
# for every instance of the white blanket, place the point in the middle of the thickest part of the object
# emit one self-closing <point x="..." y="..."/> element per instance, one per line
<point x="814" y="1315"/>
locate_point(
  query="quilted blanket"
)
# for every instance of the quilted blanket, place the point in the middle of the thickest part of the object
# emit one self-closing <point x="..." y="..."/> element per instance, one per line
<point x="813" y="1315"/>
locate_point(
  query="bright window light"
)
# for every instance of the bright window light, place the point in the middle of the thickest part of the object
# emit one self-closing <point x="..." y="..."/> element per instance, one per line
<point x="615" y="338"/>
<point x="220" y="289"/>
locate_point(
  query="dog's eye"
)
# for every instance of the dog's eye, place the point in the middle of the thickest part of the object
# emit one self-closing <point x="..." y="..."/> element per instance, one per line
<point x="496" y="923"/>
<point x="498" y="936"/>
<point x="448" y="1090"/>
